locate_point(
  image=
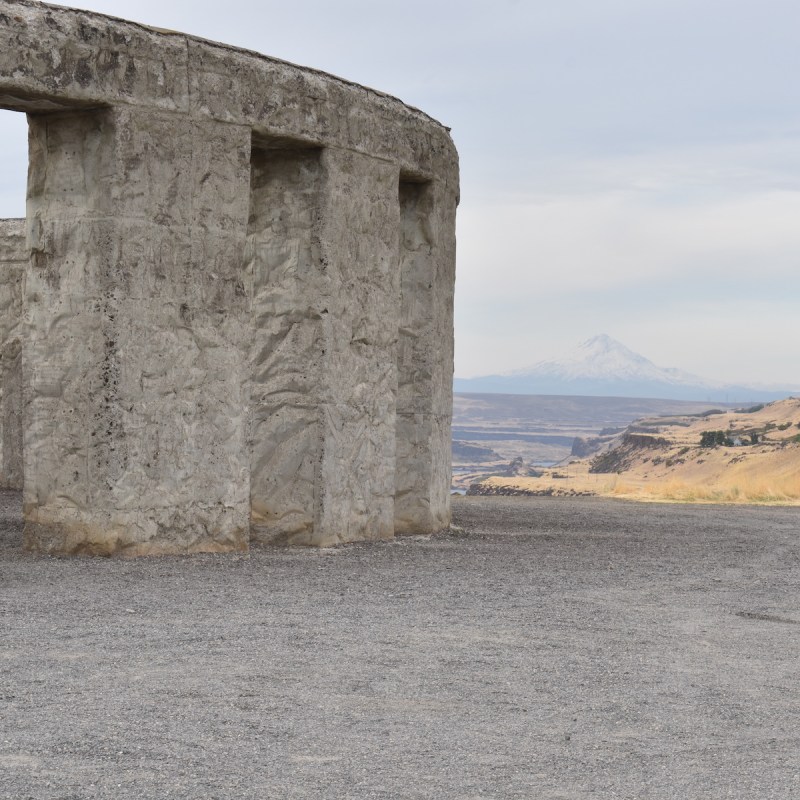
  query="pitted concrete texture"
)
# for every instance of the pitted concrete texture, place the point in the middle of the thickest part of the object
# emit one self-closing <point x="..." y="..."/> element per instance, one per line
<point x="237" y="316"/>
<point x="13" y="258"/>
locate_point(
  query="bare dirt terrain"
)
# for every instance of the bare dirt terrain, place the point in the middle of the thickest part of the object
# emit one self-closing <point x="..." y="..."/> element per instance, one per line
<point x="555" y="648"/>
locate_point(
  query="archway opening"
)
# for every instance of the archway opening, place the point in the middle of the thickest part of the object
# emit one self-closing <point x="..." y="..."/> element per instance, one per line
<point x="13" y="257"/>
<point x="13" y="164"/>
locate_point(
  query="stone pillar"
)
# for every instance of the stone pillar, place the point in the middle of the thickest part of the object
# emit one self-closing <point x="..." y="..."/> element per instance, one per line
<point x="443" y="214"/>
<point x="322" y="258"/>
<point x="285" y="278"/>
<point x="13" y="258"/>
<point x="137" y="317"/>
<point x="358" y="252"/>
<point x="424" y="357"/>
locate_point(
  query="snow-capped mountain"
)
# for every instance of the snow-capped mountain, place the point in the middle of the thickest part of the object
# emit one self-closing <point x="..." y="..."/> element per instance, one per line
<point x="604" y="358"/>
<point x="603" y="367"/>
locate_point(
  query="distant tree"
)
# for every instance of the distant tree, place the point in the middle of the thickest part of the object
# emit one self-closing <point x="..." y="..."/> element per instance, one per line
<point x="715" y="439"/>
<point x="708" y="439"/>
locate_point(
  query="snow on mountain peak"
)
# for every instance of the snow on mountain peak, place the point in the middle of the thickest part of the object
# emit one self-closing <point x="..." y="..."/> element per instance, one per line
<point x="603" y="367"/>
<point x="606" y="359"/>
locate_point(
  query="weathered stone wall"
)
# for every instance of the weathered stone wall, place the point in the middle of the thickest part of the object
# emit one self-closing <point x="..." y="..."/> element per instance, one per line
<point x="424" y="397"/>
<point x="283" y="266"/>
<point x="239" y="300"/>
<point x="359" y="239"/>
<point x="13" y="258"/>
<point x="137" y="318"/>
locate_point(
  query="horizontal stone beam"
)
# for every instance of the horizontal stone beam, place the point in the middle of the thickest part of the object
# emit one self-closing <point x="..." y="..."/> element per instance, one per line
<point x="53" y="56"/>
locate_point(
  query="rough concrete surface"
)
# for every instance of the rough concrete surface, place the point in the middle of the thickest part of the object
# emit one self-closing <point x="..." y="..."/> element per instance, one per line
<point x="13" y="261"/>
<point x="553" y="649"/>
<point x="238" y="295"/>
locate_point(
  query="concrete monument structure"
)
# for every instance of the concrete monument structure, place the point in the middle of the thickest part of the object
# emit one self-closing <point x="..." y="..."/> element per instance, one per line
<point x="233" y="303"/>
<point x="13" y="262"/>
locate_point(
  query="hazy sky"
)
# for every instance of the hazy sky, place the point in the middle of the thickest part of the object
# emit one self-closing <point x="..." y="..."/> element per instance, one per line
<point x="630" y="167"/>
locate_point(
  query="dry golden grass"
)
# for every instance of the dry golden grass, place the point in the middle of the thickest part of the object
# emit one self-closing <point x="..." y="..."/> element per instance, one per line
<point x="764" y="492"/>
<point x="681" y="471"/>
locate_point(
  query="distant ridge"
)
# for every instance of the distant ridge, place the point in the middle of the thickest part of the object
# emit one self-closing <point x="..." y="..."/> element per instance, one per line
<point x="603" y="367"/>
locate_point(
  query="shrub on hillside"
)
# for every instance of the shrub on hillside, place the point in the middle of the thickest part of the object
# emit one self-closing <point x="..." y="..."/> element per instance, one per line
<point x="715" y="439"/>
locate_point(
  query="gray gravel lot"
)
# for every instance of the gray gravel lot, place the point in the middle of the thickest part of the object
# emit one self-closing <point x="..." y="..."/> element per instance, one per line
<point x="553" y="649"/>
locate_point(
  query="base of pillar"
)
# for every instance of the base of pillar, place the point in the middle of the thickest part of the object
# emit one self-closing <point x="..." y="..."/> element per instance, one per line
<point x="424" y="524"/>
<point x="266" y="536"/>
<point x="75" y="537"/>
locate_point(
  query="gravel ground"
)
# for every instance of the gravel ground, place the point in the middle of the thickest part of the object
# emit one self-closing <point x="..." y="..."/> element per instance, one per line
<point x="556" y="648"/>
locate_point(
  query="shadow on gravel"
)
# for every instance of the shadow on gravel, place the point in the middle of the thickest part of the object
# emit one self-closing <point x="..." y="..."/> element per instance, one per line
<point x="766" y="617"/>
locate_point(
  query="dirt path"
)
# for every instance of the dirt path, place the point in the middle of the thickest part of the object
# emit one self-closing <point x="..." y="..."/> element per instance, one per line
<point x="558" y="648"/>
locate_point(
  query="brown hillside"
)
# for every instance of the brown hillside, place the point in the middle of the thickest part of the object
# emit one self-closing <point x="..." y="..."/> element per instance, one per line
<point x="661" y="458"/>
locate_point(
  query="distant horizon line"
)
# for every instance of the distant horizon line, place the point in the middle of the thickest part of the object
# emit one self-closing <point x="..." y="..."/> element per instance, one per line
<point x="755" y="401"/>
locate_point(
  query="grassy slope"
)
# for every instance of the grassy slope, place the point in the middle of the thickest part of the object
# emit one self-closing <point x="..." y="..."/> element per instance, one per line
<point x="678" y="469"/>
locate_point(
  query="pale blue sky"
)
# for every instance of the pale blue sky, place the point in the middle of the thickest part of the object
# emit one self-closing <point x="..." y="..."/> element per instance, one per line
<point x="628" y="166"/>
